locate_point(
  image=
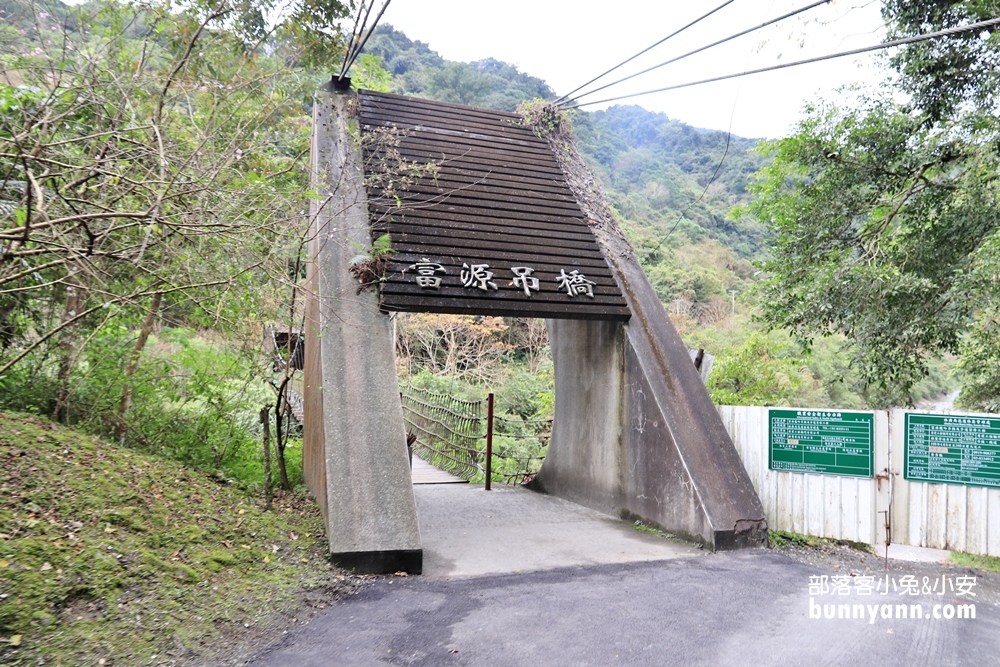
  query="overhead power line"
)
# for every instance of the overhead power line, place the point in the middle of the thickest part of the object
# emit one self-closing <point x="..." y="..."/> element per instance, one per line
<point x="699" y="50"/>
<point x="651" y="46"/>
<point x="981" y="25"/>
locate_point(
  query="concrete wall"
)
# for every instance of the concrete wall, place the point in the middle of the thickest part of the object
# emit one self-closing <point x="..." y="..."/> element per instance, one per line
<point x="940" y="516"/>
<point x="355" y="451"/>
<point x="313" y="440"/>
<point x="626" y="440"/>
<point x="672" y="462"/>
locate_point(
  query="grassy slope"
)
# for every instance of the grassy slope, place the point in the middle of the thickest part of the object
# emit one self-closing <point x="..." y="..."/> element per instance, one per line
<point x="110" y="557"/>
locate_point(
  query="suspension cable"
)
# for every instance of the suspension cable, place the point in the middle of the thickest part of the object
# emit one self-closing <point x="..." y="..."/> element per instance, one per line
<point x="981" y="25"/>
<point x="354" y="38"/>
<point x="651" y="46"/>
<point x="364" y="41"/>
<point x="703" y="48"/>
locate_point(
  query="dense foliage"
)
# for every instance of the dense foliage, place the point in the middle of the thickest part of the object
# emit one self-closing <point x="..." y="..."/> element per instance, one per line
<point x="884" y="214"/>
<point x="661" y="173"/>
<point x="154" y="189"/>
<point x="416" y="69"/>
<point x="153" y="170"/>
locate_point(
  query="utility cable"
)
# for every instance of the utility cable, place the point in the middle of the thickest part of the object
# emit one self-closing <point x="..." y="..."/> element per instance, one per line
<point x="715" y="174"/>
<point x="651" y="46"/>
<point x="357" y="37"/>
<point x="981" y="25"/>
<point x="703" y="48"/>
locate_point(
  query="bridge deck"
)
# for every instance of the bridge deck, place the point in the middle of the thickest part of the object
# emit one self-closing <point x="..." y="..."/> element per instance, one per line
<point x="424" y="473"/>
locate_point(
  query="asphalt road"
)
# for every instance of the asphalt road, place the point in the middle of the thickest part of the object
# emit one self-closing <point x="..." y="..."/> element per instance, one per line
<point x="747" y="608"/>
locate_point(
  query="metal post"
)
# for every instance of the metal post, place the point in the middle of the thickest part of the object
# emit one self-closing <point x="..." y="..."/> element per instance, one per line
<point x="489" y="440"/>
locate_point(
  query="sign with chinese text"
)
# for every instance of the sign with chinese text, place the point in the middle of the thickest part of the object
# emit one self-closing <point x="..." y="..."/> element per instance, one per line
<point x="493" y="229"/>
<point x="826" y="442"/>
<point x="952" y="449"/>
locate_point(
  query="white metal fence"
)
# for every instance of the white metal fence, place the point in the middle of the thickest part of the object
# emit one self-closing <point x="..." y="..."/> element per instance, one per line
<point x="941" y="516"/>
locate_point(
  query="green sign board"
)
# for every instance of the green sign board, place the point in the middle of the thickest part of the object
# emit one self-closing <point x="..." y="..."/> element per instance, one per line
<point x="952" y="449"/>
<point x="826" y="442"/>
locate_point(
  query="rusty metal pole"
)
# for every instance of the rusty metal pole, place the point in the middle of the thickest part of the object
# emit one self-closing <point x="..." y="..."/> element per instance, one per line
<point x="489" y="440"/>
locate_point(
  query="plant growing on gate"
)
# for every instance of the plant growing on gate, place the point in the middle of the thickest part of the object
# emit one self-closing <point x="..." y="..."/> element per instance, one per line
<point x="370" y="266"/>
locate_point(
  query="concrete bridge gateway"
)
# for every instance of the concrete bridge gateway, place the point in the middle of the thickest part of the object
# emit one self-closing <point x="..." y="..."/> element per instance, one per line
<point x="490" y="215"/>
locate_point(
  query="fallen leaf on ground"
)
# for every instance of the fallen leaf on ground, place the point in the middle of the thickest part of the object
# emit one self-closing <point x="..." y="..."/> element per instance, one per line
<point x="45" y="567"/>
<point x="15" y="640"/>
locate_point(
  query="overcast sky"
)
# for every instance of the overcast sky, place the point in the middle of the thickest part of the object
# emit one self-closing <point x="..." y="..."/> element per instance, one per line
<point x="567" y="42"/>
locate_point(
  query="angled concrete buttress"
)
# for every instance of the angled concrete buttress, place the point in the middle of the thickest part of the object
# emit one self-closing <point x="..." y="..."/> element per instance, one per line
<point x="355" y="444"/>
<point x="635" y="431"/>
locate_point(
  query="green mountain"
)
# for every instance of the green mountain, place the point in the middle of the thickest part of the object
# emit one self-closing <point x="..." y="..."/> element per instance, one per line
<point x="418" y="70"/>
<point x="660" y="172"/>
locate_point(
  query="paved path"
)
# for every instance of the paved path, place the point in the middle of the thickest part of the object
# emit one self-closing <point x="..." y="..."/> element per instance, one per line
<point x="722" y="610"/>
<point x="467" y="531"/>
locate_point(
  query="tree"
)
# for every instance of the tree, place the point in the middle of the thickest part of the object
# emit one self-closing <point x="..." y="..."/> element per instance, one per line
<point x="460" y="346"/>
<point x="152" y="164"/>
<point x="884" y="216"/>
<point x="952" y="76"/>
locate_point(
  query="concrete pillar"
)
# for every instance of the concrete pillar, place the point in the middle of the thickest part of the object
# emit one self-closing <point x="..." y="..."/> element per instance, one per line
<point x="584" y="463"/>
<point x="636" y="435"/>
<point x="355" y="443"/>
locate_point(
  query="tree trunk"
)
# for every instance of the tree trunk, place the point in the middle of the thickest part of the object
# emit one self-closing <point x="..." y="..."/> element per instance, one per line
<point x="133" y="363"/>
<point x="281" y="413"/>
<point x="75" y="298"/>
<point x="265" y="420"/>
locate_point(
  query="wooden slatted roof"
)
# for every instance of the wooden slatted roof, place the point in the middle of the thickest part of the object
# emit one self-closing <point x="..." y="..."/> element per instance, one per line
<point x="495" y="213"/>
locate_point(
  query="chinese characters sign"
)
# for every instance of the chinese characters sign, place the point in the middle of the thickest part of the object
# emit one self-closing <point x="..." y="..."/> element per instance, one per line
<point x="821" y="441"/>
<point x="481" y="277"/>
<point x="952" y="449"/>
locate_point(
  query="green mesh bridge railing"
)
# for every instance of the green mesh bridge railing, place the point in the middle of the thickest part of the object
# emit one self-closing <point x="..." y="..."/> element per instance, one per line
<point x="451" y="435"/>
